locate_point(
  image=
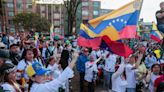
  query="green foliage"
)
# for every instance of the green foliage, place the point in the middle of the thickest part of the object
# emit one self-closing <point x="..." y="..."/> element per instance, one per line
<point x="31" y="21"/>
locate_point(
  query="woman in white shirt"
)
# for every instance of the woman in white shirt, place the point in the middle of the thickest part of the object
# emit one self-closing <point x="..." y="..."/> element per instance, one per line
<point x="152" y="76"/>
<point x="54" y="67"/>
<point x="109" y="69"/>
<point x="27" y="59"/>
<point x="119" y="82"/>
<point x="8" y="78"/>
<point x="36" y="72"/>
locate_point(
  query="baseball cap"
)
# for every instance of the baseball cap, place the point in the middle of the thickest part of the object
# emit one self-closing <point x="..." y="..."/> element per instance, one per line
<point x="36" y="69"/>
<point x="4" y="54"/>
<point x="2" y="45"/>
<point x="7" y="68"/>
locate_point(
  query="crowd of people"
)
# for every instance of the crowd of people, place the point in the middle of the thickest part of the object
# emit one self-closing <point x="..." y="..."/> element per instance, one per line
<point x="39" y="65"/>
<point x="26" y="66"/>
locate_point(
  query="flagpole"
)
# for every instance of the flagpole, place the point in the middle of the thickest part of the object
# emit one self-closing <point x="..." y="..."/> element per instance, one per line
<point x="140" y="11"/>
<point x="139" y="16"/>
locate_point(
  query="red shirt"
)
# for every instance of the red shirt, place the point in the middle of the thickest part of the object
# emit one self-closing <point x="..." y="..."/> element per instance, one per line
<point x="158" y="80"/>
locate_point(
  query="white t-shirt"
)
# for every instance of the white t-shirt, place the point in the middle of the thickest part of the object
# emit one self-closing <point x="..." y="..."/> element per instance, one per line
<point x="151" y="83"/>
<point x="93" y="53"/>
<point x="90" y="67"/>
<point x="8" y="88"/>
<point x="53" y="85"/>
<point x="22" y="67"/>
<point x="44" y="53"/>
<point x="11" y="40"/>
<point x="118" y="84"/>
<point x="110" y="63"/>
<point x="53" y="67"/>
<point x="131" y="76"/>
<point x="55" y="70"/>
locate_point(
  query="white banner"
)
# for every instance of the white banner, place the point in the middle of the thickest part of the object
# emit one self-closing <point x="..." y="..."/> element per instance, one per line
<point x="49" y="2"/>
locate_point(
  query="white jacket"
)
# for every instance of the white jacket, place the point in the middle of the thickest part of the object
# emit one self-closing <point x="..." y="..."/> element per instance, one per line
<point x="53" y="85"/>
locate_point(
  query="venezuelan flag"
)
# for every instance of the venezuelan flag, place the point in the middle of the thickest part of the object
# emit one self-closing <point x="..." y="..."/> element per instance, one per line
<point x="155" y="34"/>
<point x="105" y="42"/>
<point x="121" y="23"/>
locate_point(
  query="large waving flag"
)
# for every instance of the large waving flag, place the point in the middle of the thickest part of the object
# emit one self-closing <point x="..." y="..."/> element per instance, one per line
<point x="102" y="41"/>
<point x="121" y="23"/>
<point x="155" y="34"/>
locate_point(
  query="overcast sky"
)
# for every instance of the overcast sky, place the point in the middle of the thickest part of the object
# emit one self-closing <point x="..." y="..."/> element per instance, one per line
<point x="148" y="9"/>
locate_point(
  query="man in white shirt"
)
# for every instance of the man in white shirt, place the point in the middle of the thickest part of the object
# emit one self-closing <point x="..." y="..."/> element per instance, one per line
<point x="131" y="71"/>
<point x="90" y="72"/>
<point x="109" y="69"/>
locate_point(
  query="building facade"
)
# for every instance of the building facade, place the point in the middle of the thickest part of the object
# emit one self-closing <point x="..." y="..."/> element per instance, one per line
<point x="11" y="8"/>
<point x="54" y="13"/>
<point x="1" y="16"/>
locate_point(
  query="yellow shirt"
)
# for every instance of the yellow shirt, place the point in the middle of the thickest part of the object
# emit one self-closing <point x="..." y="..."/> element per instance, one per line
<point x="158" y="53"/>
<point x="141" y="71"/>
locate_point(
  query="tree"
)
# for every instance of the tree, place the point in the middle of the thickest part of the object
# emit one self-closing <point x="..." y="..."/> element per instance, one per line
<point x="71" y="9"/>
<point x="31" y="21"/>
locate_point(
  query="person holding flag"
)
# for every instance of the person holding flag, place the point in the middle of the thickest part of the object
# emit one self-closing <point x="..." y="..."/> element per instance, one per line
<point x="160" y="18"/>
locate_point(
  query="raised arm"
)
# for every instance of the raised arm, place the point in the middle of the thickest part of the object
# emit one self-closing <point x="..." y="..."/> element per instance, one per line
<point x="75" y="56"/>
<point x="139" y="60"/>
<point x="119" y="71"/>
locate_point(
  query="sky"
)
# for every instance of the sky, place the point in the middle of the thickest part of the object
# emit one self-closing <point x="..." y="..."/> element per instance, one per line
<point x="148" y="9"/>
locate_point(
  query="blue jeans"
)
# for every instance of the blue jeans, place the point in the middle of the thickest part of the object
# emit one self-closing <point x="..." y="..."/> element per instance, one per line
<point x="161" y="28"/>
<point x="107" y="79"/>
<point x="131" y="89"/>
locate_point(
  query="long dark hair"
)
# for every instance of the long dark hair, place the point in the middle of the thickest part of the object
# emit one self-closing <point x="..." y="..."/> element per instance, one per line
<point x="35" y="51"/>
<point x="25" y="53"/>
<point x="4" y="76"/>
<point x="124" y="74"/>
<point x="64" y="59"/>
<point x="30" y="83"/>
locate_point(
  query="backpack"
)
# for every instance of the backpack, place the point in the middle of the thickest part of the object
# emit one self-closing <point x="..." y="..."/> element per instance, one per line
<point x="49" y="52"/>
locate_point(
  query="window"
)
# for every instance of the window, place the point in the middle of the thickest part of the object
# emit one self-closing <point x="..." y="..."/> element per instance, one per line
<point x="85" y="12"/>
<point x="96" y="4"/>
<point x="43" y="15"/>
<point x="10" y="14"/>
<point x="95" y="13"/>
<point x="85" y="3"/>
<point x="11" y="1"/>
<point x="57" y="23"/>
<point x="56" y="16"/>
<point x="29" y="1"/>
<point x="57" y="9"/>
<point x="10" y="5"/>
<point x="19" y="5"/>
<point x="29" y="6"/>
<point x="42" y="8"/>
<point x="10" y="22"/>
